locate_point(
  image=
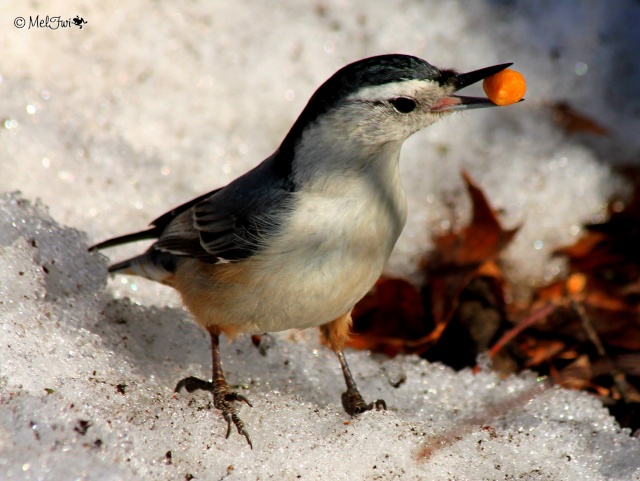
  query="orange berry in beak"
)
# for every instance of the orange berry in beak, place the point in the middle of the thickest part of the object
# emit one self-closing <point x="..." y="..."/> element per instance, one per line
<point x="505" y="88"/>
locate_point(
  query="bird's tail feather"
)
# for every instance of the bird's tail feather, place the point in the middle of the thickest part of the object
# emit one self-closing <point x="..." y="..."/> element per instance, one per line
<point x="151" y="233"/>
<point x="154" y="265"/>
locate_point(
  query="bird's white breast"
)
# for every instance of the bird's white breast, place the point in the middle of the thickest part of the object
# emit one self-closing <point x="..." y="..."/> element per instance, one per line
<point x="331" y="249"/>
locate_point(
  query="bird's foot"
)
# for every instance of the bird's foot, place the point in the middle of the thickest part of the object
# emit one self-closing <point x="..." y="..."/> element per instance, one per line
<point x="223" y="398"/>
<point x="354" y="404"/>
<point x="192" y="384"/>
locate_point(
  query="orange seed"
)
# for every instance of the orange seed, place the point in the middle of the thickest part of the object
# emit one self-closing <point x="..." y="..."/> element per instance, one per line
<point x="506" y="87"/>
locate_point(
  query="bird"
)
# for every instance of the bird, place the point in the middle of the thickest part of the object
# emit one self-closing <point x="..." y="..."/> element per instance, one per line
<point x="299" y="239"/>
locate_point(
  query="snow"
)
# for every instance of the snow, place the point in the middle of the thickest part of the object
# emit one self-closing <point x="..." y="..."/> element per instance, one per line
<point x="87" y="393"/>
<point x="151" y="104"/>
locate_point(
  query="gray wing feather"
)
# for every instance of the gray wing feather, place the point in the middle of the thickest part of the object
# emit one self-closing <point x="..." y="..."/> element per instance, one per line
<point x="234" y="222"/>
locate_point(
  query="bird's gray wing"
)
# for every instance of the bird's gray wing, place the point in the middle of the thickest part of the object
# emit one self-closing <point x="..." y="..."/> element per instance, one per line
<point x="158" y="226"/>
<point x="234" y="222"/>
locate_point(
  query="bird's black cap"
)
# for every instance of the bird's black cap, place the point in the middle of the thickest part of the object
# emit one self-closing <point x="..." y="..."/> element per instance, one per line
<point x="367" y="72"/>
<point x="370" y="72"/>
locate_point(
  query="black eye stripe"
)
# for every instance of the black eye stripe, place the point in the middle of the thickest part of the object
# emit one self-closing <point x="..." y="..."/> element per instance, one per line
<point x="404" y="105"/>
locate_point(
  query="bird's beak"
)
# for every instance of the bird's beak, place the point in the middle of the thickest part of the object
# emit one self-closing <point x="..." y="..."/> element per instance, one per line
<point x="462" y="80"/>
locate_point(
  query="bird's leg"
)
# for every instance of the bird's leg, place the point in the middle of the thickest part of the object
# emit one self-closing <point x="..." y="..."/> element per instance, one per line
<point x="223" y="396"/>
<point x="352" y="400"/>
<point x="336" y="334"/>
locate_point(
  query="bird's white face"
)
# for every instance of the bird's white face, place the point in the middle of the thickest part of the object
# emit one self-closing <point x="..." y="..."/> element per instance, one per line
<point x="372" y="123"/>
<point x="391" y="112"/>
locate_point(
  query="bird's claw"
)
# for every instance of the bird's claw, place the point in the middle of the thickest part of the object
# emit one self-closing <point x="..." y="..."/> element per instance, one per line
<point x="192" y="384"/>
<point x="236" y="396"/>
<point x="223" y="398"/>
<point x="354" y="404"/>
<point x="235" y="419"/>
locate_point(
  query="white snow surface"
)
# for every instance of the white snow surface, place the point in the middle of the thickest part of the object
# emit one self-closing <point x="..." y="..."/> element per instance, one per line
<point x="153" y="103"/>
<point x="86" y="386"/>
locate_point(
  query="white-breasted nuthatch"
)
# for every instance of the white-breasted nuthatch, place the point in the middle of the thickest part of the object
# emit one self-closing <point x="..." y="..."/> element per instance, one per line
<point x="297" y="241"/>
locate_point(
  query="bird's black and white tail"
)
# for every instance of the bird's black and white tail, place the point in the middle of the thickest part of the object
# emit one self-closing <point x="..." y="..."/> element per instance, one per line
<point x="154" y="265"/>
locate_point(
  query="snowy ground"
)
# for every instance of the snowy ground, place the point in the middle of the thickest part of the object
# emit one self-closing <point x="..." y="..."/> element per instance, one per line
<point x="150" y="104"/>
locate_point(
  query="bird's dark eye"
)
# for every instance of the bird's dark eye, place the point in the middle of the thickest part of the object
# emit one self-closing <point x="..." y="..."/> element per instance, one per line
<point x="404" y="105"/>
